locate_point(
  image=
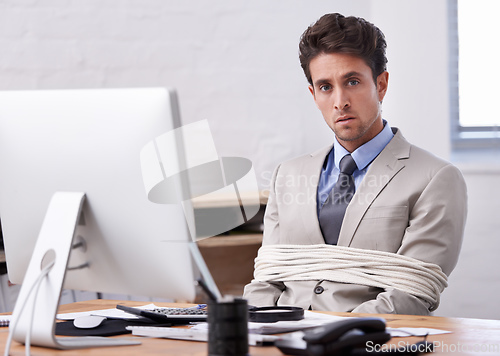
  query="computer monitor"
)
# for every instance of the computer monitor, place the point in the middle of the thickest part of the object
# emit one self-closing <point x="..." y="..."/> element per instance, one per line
<point x="84" y="146"/>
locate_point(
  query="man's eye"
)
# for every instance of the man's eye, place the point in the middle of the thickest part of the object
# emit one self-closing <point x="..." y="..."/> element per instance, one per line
<point x="325" y="87"/>
<point x="353" y="82"/>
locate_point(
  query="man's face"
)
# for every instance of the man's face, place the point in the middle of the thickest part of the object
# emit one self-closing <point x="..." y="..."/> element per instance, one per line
<point x="345" y="93"/>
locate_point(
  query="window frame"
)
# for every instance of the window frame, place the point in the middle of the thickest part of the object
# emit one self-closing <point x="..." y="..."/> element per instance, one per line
<point x="464" y="137"/>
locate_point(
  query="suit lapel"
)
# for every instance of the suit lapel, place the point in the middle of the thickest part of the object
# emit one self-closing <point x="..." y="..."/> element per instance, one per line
<point x="387" y="164"/>
<point x="308" y="210"/>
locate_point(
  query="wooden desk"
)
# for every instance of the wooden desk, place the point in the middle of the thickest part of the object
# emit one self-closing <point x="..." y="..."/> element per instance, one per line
<point x="467" y="335"/>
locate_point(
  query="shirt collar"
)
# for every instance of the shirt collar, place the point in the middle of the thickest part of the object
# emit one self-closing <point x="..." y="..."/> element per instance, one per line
<point x="366" y="153"/>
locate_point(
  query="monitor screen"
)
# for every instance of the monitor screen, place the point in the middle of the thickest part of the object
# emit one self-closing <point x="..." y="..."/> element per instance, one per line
<point x="90" y="141"/>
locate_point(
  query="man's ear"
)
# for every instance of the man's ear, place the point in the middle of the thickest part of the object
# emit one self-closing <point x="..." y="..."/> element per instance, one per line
<point x="311" y="89"/>
<point x="382" y="84"/>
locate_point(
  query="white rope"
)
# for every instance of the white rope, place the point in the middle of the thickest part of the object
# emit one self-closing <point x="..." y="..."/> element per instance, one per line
<point x="380" y="269"/>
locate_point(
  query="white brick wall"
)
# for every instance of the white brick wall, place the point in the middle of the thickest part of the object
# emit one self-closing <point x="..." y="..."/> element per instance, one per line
<point x="235" y="63"/>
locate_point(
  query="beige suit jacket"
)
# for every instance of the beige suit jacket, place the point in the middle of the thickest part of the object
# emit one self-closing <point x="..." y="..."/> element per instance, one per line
<point x="410" y="203"/>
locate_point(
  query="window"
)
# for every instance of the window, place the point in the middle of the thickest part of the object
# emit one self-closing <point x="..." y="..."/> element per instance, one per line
<point x="474" y="41"/>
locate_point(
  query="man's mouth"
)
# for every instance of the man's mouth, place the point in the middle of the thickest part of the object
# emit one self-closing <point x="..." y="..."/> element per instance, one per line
<point x="342" y="119"/>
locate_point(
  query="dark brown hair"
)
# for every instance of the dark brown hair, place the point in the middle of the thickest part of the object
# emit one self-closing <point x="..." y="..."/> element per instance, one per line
<point x="335" y="33"/>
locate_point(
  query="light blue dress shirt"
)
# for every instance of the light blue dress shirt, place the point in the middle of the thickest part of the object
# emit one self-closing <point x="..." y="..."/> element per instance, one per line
<point x="363" y="156"/>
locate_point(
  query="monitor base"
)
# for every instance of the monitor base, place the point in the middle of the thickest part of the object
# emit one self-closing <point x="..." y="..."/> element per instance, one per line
<point x="34" y="316"/>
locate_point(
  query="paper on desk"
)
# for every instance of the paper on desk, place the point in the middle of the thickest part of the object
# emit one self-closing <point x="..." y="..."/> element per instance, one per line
<point x="191" y="334"/>
<point x="405" y="332"/>
<point x="200" y="333"/>
<point x="311" y="319"/>
<point x="108" y="313"/>
<point x="169" y="332"/>
<point x="317" y="319"/>
<point x="395" y="332"/>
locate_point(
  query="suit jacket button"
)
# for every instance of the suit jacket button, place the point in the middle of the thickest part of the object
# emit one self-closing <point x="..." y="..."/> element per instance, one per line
<point x="319" y="289"/>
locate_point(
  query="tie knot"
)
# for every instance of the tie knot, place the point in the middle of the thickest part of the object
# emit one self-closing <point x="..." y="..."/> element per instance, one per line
<point x="347" y="165"/>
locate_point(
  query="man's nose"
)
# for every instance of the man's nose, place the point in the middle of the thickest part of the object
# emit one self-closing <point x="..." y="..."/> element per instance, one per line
<point x="341" y="100"/>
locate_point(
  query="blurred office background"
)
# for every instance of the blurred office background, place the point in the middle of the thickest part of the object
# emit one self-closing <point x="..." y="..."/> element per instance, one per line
<point x="235" y="64"/>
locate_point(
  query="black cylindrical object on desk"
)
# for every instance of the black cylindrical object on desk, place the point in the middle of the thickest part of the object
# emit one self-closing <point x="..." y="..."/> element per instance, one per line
<point x="228" y="328"/>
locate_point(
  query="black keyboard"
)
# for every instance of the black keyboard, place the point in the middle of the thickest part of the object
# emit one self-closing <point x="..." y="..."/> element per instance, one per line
<point x="169" y="315"/>
<point x="181" y="311"/>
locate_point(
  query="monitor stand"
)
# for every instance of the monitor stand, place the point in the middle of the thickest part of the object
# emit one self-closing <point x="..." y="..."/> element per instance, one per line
<point x="33" y="319"/>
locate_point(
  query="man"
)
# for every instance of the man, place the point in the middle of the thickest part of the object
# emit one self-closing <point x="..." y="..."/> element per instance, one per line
<point x="371" y="193"/>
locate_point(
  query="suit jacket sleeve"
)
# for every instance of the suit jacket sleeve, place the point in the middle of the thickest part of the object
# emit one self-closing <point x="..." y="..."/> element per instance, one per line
<point x="265" y="293"/>
<point x="434" y="234"/>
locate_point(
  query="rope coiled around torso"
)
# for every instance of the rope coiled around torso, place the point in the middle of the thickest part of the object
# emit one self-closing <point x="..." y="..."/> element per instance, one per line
<point x="342" y="264"/>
